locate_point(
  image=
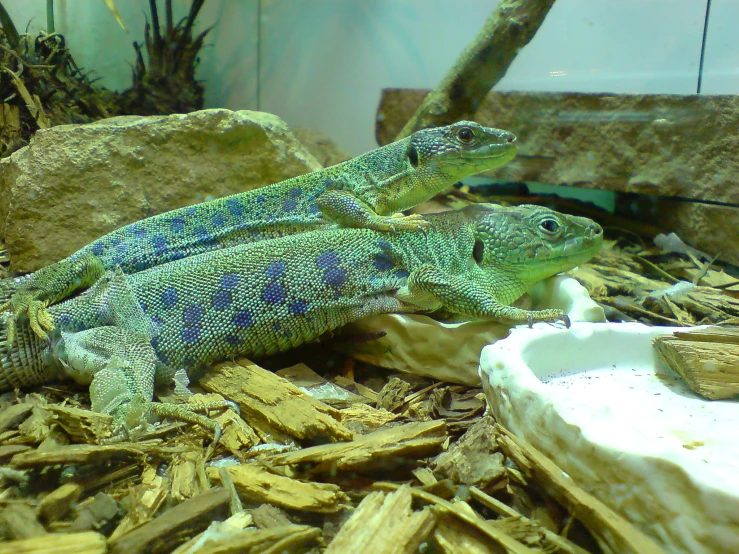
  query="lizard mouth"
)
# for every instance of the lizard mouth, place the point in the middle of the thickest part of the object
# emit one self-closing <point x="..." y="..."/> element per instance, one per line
<point x="573" y="253"/>
<point x="502" y="152"/>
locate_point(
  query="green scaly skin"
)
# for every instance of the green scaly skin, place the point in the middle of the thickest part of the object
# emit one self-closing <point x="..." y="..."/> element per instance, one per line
<point x="365" y="191"/>
<point x="128" y="332"/>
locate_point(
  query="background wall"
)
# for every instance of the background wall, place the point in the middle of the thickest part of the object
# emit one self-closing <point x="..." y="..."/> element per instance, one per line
<point x="323" y="63"/>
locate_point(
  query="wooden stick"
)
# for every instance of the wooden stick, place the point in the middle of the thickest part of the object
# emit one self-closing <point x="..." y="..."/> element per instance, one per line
<point x="482" y="64"/>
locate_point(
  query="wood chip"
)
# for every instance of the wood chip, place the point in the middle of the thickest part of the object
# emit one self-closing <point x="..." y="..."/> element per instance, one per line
<point x="711" y="369"/>
<point x="413" y="441"/>
<point x="552" y="539"/>
<point x="76" y="454"/>
<point x="82" y="426"/>
<point x="95" y="513"/>
<point x="452" y="536"/>
<point x="143" y="502"/>
<point x="500" y="540"/>
<point x="384" y="524"/>
<point x="10" y="450"/>
<point x="173" y="526"/>
<point x="187" y="472"/>
<point x="12" y="416"/>
<point x="277" y="403"/>
<point x="363" y="418"/>
<point x="474" y="459"/>
<point x="266" y="516"/>
<point x="613" y="532"/>
<point x="275" y="540"/>
<point x="393" y="394"/>
<point x="18" y="521"/>
<point x="57" y="503"/>
<point x="257" y="485"/>
<point x="70" y="543"/>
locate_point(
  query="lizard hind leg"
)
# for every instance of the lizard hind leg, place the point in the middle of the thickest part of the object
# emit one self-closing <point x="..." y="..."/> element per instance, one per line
<point x="122" y="369"/>
<point x="119" y="366"/>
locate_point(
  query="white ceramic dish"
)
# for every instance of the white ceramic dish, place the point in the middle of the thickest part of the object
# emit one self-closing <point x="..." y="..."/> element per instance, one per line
<point x="451" y="351"/>
<point x="597" y="400"/>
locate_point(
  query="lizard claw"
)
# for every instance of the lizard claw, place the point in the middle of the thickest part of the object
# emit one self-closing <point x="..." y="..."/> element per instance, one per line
<point x="38" y="317"/>
<point x="412" y="222"/>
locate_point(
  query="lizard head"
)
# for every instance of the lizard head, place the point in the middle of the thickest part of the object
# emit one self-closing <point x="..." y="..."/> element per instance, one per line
<point x="460" y="150"/>
<point x="531" y="243"/>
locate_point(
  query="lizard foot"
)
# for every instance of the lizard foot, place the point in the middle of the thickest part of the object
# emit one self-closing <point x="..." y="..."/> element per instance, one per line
<point x="189" y="413"/>
<point x="24" y="304"/>
<point x="550" y="316"/>
<point x="400" y="222"/>
<point x="138" y="415"/>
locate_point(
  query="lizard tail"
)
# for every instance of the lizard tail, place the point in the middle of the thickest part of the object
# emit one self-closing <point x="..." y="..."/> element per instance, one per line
<point x="24" y="363"/>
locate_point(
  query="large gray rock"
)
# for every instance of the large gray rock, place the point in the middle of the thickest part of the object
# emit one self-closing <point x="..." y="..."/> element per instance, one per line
<point x="323" y="148"/>
<point x="710" y="228"/>
<point x="667" y="145"/>
<point x="74" y="183"/>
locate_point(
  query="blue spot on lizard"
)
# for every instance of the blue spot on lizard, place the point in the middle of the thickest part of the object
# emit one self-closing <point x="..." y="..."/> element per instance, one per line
<point x="274" y="293"/>
<point x="243" y="319"/>
<point x="202" y="233"/>
<point x="97" y="248"/>
<point x="193" y="315"/>
<point x="275" y="269"/>
<point x="234" y="207"/>
<point x="222" y="299"/>
<point x="328" y="259"/>
<point x="233" y="340"/>
<point x="169" y="297"/>
<point x="384" y="261"/>
<point x="177" y="225"/>
<point x="335" y="276"/>
<point x="159" y="243"/>
<point x="289" y="205"/>
<point x="190" y="334"/>
<point x="299" y="307"/>
<point x="230" y="280"/>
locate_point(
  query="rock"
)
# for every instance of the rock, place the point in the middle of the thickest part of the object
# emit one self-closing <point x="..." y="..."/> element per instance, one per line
<point x="321" y="146"/>
<point x="666" y="145"/>
<point x="707" y="227"/>
<point x="74" y="183"/>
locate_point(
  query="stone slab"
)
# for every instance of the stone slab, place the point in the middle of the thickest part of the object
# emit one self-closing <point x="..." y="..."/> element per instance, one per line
<point x="711" y="228"/>
<point x="666" y="145"/>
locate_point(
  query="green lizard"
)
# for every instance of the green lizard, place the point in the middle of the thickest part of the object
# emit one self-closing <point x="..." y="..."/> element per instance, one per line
<point x="365" y="191"/>
<point x="128" y="332"/>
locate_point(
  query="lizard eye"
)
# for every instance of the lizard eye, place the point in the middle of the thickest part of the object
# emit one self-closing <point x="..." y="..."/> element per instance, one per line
<point x="549" y="225"/>
<point x="465" y="134"/>
<point x="413" y="156"/>
<point x="477" y="251"/>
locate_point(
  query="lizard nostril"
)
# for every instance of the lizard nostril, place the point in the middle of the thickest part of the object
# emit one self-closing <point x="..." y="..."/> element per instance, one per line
<point x="511" y="138"/>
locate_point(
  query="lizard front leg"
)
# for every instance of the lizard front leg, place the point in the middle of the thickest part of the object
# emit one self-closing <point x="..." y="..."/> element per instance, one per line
<point x="47" y="286"/>
<point x="347" y="210"/>
<point x="462" y="296"/>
